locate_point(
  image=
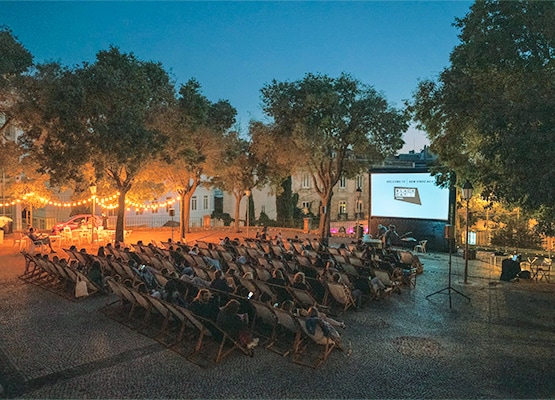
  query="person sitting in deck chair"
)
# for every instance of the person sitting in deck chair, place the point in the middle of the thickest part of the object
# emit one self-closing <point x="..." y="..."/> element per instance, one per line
<point x="40" y="238"/>
<point x="236" y="324"/>
<point x="313" y="320"/>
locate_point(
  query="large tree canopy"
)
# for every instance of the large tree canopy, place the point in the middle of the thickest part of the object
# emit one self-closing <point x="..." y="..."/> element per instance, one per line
<point x="103" y="114"/>
<point x="491" y="114"/>
<point x="195" y="128"/>
<point x="332" y="127"/>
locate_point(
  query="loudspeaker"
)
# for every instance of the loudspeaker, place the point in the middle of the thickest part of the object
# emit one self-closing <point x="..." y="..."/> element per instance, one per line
<point x="449" y="232"/>
<point x="172" y="212"/>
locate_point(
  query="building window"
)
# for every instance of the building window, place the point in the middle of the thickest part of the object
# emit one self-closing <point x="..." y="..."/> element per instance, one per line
<point x="154" y="208"/>
<point x="305" y="182"/>
<point x="358" y="181"/>
<point x="205" y="202"/>
<point x="139" y="211"/>
<point x="342" y="207"/>
<point x="359" y="206"/>
<point x="263" y="209"/>
<point x="194" y="203"/>
<point x="168" y="204"/>
<point x="342" y="182"/>
<point x="306" y="206"/>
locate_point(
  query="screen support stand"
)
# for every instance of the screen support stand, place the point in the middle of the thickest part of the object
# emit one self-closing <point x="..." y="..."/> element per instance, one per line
<point x="449" y="288"/>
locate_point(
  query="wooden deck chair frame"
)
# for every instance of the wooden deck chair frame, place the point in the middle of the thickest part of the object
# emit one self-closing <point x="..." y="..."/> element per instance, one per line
<point x="162" y="308"/>
<point x="302" y="297"/>
<point x="289" y="326"/>
<point x="264" y="319"/>
<point x="263" y="287"/>
<point x="91" y="286"/>
<point x="325" y="344"/>
<point x="113" y="288"/>
<point x="341" y="295"/>
<point x="262" y="273"/>
<point x="223" y="341"/>
<point x="31" y="267"/>
<point x="192" y="327"/>
<point x="386" y="280"/>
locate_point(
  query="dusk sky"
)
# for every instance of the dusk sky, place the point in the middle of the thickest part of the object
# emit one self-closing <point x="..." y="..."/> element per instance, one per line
<point x="234" y="48"/>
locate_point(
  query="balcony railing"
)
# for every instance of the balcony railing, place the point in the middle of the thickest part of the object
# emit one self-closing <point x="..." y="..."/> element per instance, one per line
<point x="342" y="217"/>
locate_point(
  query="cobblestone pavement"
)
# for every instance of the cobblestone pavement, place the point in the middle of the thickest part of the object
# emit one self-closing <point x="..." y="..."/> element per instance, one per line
<point x="500" y="344"/>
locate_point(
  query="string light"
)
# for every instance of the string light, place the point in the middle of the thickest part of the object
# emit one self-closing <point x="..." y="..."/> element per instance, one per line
<point x="103" y="202"/>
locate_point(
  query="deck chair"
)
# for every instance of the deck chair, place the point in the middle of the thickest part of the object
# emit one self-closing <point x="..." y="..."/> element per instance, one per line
<point x="36" y="244"/>
<point x="263" y="287"/>
<point x="304" y="355"/>
<point x="262" y="273"/>
<point x="222" y="344"/>
<point x="31" y="267"/>
<point x="383" y="276"/>
<point x="113" y="288"/>
<point x="264" y="323"/>
<point x="91" y="287"/>
<point x="303" y="298"/>
<point x="192" y="330"/>
<point x="288" y="331"/>
<point x="127" y="297"/>
<point x="162" y="308"/>
<point x="342" y="295"/>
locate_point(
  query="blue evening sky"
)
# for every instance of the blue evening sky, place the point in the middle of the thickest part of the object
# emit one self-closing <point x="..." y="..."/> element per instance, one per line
<point x="234" y="48"/>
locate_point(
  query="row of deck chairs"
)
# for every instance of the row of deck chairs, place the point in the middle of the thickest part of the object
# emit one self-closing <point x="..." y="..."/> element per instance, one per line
<point x="350" y="270"/>
<point x="59" y="278"/>
<point x="201" y="340"/>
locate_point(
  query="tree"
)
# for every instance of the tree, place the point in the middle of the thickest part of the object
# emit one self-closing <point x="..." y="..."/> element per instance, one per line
<point x="238" y="171"/>
<point x="333" y="127"/>
<point x="490" y="116"/>
<point x="105" y="114"/>
<point x="195" y="131"/>
<point x="15" y="62"/>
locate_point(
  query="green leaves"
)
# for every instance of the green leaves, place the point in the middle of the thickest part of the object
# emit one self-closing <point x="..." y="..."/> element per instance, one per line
<point x="490" y="116"/>
<point x="332" y="127"/>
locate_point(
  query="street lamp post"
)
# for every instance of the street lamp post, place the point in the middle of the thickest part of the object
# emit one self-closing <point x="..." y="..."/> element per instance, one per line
<point x="357" y="209"/>
<point x="92" y="188"/>
<point x="466" y="195"/>
<point x="248" y="193"/>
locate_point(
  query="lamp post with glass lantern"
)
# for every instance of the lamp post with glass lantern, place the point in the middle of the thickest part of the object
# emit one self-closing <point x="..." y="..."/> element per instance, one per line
<point x="357" y="209"/>
<point x="248" y="193"/>
<point x="92" y="188"/>
<point x="466" y="195"/>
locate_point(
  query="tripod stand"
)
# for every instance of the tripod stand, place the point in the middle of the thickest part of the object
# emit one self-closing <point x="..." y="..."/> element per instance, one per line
<point x="449" y="289"/>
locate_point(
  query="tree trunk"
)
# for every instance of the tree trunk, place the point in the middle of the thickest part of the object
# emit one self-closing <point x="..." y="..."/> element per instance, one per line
<point x="237" y="208"/>
<point x="325" y="218"/>
<point x="120" y="221"/>
<point x="182" y="217"/>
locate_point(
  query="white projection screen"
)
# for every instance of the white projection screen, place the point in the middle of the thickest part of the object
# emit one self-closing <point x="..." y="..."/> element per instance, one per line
<point x="408" y="195"/>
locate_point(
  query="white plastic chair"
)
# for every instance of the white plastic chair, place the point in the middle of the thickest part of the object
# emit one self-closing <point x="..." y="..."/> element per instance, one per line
<point x="420" y="247"/>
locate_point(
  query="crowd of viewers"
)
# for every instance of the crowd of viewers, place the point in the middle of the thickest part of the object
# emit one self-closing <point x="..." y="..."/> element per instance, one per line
<point x="222" y="288"/>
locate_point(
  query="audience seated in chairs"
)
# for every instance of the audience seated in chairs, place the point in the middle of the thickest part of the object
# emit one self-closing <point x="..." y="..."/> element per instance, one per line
<point x="205" y="305"/>
<point x="279" y="281"/>
<point x="328" y="330"/>
<point x="289" y="306"/>
<point x="355" y="293"/>
<point x="40" y="238"/>
<point x="299" y="281"/>
<point x="236" y="325"/>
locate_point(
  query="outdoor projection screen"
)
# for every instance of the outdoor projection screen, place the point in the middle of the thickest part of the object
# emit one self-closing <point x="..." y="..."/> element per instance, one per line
<point x="408" y="195"/>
